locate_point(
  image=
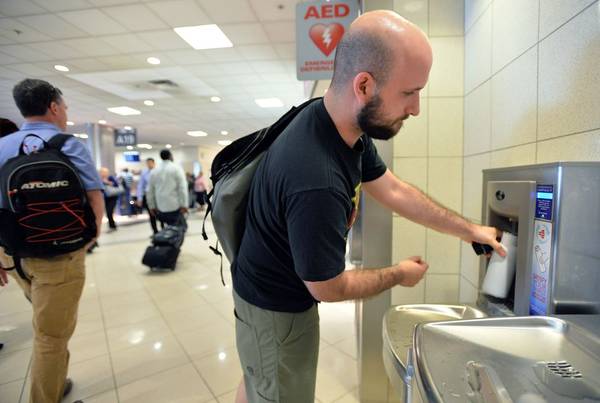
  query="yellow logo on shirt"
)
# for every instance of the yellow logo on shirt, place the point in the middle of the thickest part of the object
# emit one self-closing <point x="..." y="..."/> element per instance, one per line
<point x="355" y="205"/>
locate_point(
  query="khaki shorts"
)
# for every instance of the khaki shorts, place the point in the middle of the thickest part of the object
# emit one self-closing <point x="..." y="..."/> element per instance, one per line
<point x="278" y="352"/>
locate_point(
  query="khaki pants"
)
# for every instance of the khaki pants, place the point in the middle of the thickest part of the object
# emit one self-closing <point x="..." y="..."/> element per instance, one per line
<point x="55" y="289"/>
<point x="278" y="352"/>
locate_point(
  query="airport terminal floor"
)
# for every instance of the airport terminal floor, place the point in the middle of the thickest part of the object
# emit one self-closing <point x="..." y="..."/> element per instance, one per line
<point x="150" y="337"/>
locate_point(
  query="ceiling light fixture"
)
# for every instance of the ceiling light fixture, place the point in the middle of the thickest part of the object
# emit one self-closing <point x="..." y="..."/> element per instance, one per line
<point x="224" y="132"/>
<point x="269" y="102"/>
<point x="224" y="142"/>
<point x="197" y="133"/>
<point x="215" y="99"/>
<point x="102" y="121"/>
<point x="69" y="123"/>
<point x="204" y="36"/>
<point x="60" y="67"/>
<point x="127" y="127"/>
<point x="124" y="110"/>
<point x="146" y="146"/>
<point x="130" y="147"/>
<point x="148" y="102"/>
<point x="168" y="146"/>
<point x="153" y="60"/>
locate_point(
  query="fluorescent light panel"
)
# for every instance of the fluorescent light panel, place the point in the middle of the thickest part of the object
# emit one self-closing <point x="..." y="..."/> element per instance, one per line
<point x="204" y="36"/>
<point x="269" y="102"/>
<point x="197" y="133"/>
<point x="124" y="110"/>
<point x="224" y="142"/>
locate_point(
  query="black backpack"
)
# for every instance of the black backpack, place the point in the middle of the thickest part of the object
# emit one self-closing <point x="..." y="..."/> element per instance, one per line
<point x="46" y="211"/>
<point x="232" y="171"/>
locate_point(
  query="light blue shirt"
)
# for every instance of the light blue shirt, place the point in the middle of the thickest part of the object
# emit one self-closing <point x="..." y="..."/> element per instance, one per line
<point x="75" y="150"/>
<point x="142" y="186"/>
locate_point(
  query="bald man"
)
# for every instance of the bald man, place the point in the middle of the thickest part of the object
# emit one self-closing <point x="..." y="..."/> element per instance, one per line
<point x="304" y="200"/>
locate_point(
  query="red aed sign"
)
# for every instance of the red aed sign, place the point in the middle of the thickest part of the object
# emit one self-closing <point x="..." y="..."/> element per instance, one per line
<point x="327" y="11"/>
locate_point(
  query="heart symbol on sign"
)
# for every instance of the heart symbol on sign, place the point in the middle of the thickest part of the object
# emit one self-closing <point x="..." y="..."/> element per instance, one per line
<point x="326" y="37"/>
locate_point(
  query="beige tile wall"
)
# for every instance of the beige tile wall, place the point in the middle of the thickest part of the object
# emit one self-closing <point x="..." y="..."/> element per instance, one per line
<point x="531" y="94"/>
<point x="428" y="151"/>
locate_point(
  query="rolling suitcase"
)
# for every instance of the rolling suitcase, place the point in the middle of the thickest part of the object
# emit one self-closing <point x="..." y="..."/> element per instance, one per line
<point x="161" y="257"/>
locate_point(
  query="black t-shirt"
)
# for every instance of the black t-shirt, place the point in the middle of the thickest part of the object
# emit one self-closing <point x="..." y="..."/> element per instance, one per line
<point x="301" y="207"/>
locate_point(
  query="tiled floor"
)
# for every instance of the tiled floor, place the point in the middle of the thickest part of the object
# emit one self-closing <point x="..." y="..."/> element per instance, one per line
<point x="160" y="337"/>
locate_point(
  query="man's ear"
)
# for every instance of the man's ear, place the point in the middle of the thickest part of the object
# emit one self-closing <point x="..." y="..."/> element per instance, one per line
<point x="363" y="86"/>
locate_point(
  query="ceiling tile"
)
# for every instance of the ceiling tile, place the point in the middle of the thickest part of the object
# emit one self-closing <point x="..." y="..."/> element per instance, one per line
<point x="63" y="5"/>
<point x="274" y="10"/>
<point x="123" y="62"/>
<point x="204" y="70"/>
<point x="5" y="41"/>
<point x="244" y="34"/>
<point x="223" y="55"/>
<point x="87" y="65"/>
<point x="163" y="40"/>
<point x="224" y="12"/>
<point x="24" y="53"/>
<point x="186" y="56"/>
<point x="31" y="70"/>
<point x="91" y="47"/>
<point x="56" y="49"/>
<point x="6" y="59"/>
<point x="258" y="52"/>
<point x="52" y="26"/>
<point x="9" y="76"/>
<point x="20" y="7"/>
<point x="286" y="50"/>
<point x="136" y="17"/>
<point x="18" y="32"/>
<point x="127" y="43"/>
<point x="93" y="21"/>
<point x="281" y="31"/>
<point x="271" y="66"/>
<point x="179" y="13"/>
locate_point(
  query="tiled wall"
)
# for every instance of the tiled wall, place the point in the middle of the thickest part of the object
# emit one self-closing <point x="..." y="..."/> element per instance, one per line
<point x="532" y="88"/>
<point x="428" y="151"/>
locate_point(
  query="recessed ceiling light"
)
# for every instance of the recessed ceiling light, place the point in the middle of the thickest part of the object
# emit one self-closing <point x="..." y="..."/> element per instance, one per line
<point x="197" y="133"/>
<point x="69" y="123"/>
<point x="130" y="147"/>
<point x="224" y="142"/>
<point x="153" y="60"/>
<point x="148" y="102"/>
<point x="83" y="136"/>
<point x="124" y="110"/>
<point x="224" y="132"/>
<point x="146" y="146"/>
<point x="127" y="128"/>
<point x="102" y="121"/>
<point x="168" y="146"/>
<point x="269" y="102"/>
<point x="60" y="67"/>
<point x="215" y="99"/>
<point x="204" y="36"/>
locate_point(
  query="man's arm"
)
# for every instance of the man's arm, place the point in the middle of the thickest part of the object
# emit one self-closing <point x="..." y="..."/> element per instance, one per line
<point x="150" y="194"/>
<point x="141" y="187"/>
<point x="410" y="202"/>
<point x="182" y="189"/>
<point x="96" y="200"/>
<point x="356" y="284"/>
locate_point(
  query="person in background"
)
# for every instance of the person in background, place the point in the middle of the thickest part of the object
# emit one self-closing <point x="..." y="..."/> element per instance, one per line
<point x="190" y="183"/>
<point x="126" y="179"/>
<point x="7" y="127"/>
<point x="142" y="189"/>
<point x="167" y="194"/>
<point x="201" y="190"/>
<point x="112" y="190"/>
<point x="54" y="285"/>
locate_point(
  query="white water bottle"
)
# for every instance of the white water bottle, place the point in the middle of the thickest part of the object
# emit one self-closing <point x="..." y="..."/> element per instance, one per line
<point x="501" y="270"/>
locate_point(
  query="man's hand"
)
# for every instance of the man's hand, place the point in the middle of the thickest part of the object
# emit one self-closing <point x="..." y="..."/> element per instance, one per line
<point x="153" y="212"/>
<point x="411" y="271"/>
<point x="183" y="210"/>
<point x="488" y="236"/>
<point x="3" y="277"/>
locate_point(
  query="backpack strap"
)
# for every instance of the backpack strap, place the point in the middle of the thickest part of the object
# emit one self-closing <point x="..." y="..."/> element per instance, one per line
<point x="58" y="141"/>
<point x="208" y="210"/>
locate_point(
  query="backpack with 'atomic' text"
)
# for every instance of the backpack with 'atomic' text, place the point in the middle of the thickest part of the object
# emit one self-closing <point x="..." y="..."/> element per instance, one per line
<point x="45" y="207"/>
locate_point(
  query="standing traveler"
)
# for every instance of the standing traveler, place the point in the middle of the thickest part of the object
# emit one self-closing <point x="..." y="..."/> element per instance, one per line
<point x="304" y="199"/>
<point x="201" y="190"/>
<point x="142" y="189"/>
<point x="112" y="190"/>
<point x="167" y="194"/>
<point x="52" y="283"/>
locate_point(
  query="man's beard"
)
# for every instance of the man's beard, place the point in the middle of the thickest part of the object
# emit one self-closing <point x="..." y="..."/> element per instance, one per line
<point x="369" y="122"/>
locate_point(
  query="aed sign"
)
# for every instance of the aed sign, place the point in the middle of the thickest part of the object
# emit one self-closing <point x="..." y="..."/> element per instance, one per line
<point x="320" y="26"/>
